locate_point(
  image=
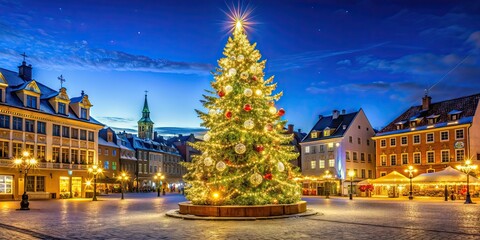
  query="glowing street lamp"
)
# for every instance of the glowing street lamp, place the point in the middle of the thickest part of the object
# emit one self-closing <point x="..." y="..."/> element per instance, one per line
<point x="351" y="174"/>
<point x="123" y="178"/>
<point x="95" y="170"/>
<point x="25" y="163"/>
<point x="327" y="176"/>
<point x="467" y="168"/>
<point x="159" y="177"/>
<point x="410" y="170"/>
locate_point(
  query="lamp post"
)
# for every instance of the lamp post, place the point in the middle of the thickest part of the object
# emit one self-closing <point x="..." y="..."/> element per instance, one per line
<point x="95" y="170"/>
<point x="24" y="164"/>
<point x="351" y="174"/>
<point x="467" y="168"/>
<point x="327" y="176"/>
<point x="122" y="178"/>
<point x="159" y="177"/>
<point x="410" y="171"/>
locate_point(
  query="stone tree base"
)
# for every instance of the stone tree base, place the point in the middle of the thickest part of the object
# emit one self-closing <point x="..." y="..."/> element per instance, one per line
<point x="186" y="208"/>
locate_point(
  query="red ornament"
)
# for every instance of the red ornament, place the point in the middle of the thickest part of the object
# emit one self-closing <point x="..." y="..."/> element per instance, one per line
<point x="254" y="78"/>
<point x="247" y="107"/>
<point x="227" y="162"/>
<point x="269" y="127"/>
<point x="259" y="148"/>
<point x="281" y="112"/>
<point x="228" y="115"/>
<point x="268" y="176"/>
<point x="221" y="93"/>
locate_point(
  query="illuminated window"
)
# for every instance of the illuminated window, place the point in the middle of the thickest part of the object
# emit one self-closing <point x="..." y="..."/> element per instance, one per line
<point x="321" y="163"/>
<point x="331" y="162"/>
<point x="313" y="164"/>
<point x="314" y="134"/>
<point x="307" y="149"/>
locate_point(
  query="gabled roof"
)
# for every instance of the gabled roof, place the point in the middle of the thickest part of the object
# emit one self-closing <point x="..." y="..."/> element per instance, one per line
<point x="103" y="137"/>
<point x="336" y="125"/>
<point x="464" y="106"/>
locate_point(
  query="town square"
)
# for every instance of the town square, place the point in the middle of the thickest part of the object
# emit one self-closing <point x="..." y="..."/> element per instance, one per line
<point x="244" y="120"/>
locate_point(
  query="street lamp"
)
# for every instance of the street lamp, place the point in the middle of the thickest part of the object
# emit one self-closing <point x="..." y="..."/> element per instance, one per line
<point x="122" y="178"/>
<point x="410" y="171"/>
<point x="327" y="176"/>
<point x="159" y="177"/>
<point x="95" y="170"/>
<point x="351" y="174"/>
<point x="24" y="164"/>
<point x="467" y="168"/>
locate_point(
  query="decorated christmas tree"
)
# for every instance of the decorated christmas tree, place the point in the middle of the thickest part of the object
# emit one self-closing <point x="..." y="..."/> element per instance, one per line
<point x="246" y="152"/>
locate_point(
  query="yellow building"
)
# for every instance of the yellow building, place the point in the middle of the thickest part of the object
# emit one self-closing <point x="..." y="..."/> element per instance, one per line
<point x="55" y="129"/>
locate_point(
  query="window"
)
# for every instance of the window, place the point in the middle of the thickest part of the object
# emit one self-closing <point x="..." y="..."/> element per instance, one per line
<point x="114" y="166"/>
<point x="430" y="157"/>
<point x="83" y="113"/>
<point x="404" y="140"/>
<point x="369" y="160"/>
<point x="350" y="139"/>
<point x="370" y="174"/>
<point x="106" y="152"/>
<point x="17" y="123"/>
<point x="326" y="132"/>
<point x="90" y="157"/>
<point x="430" y="137"/>
<point x="430" y="170"/>
<point x="363" y="173"/>
<point x="383" y="174"/>
<point x="31" y="101"/>
<point x="359" y="127"/>
<point x="41" y="127"/>
<point x="314" y="134"/>
<point x="3" y="153"/>
<point x="83" y="156"/>
<point x="6" y="184"/>
<point x="114" y="152"/>
<point x="99" y="151"/>
<point x="74" y="133"/>
<point x="454" y="117"/>
<point x="56" y="130"/>
<point x="368" y="142"/>
<point x="417" y="158"/>
<point x="445" y="155"/>
<point x="55" y="154"/>
<point x="41" y="153"/>
<point x="30" y="148"/>
<point x="65" y="155"/>
<point x="404" y="158"/>
<point x="29" y="125"/>
<point x="62" y="109"/>
<point x="30" y="184"/>
<point x="105" y="165"/>
<point x="393" y="160"/>
<point x="416" y="139"/>
<point x="347" y="155"/>
<point x="359" y="141"/>
<point x="74" y="156"/>
<point x="17" y="149"/>
<point x="331" y="162"/>
<point x="91" y="136"/>
<point x="355" y="156"/>
<point x="322" y="148"/>
<point x="321" y="163"/>
<point x="307" y="149"/>
<point x="383" y="143"/>
<point x="413" y="124"/>
<point x="313" y="164"/>
<point x="65" y="132"/>
<point x="459" y="134"/>
<point x="83" y="134"/>
<point x="383" y="160"/>
<point x="393" y="142"/>
<point x="444" y="136"/>
<point x="35" y="184"/>
<point x="460" y="155"/>
<point x="4" y="121"/>
<point x="362" y="157"/>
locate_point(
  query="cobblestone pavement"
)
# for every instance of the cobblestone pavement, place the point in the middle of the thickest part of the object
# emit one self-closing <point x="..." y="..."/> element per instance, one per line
<point x="142" y="216"/>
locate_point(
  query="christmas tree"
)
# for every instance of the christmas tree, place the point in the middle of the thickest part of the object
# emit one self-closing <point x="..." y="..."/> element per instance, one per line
<point x="246" y="152"/>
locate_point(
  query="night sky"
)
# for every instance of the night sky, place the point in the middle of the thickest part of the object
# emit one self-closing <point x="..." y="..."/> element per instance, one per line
<point x="375" y="55"/>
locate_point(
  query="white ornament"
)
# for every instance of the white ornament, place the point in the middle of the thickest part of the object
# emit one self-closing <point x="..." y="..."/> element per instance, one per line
<point x="240" y="58"/>
<point x="272" y="110"/>
<point x="248" y="124"/>
<point x="206" y="137"/>
<point x="228" y="89"/>
<point x="212" y="112"/>
<point x="258" y="92"/>
<point x="253" y="69"/>
<point x="244" y="75"/>
<point x="280" y="167"/>
<point x="221" y="166"/>
<point x="232" y="72"/>
<point x="256" y="179"/>
<point x="248" y="92"/>
<point x="208" y="161"/>
<point x="240" y="148"/>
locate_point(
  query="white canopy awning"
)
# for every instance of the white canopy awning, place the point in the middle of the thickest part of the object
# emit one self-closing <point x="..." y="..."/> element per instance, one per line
<point x="447" y="176"/>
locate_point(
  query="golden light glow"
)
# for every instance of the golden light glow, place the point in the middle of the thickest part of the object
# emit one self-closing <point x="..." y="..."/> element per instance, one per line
<point x="26" y="154"/>
<point x="88" y="183"/>
<point x="239" y="18"/>
<point x="215" y="195"/>
<point x="17" y="161"/>
<point x="351" y="173"/>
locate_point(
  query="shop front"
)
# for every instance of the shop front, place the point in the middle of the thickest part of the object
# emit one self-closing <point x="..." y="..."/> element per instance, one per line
<point x="70" y="187"/>
<point x="6" y="187"/>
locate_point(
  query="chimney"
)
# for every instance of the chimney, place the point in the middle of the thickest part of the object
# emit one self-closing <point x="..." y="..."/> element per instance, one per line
<point x="343" y="111"/>
<point x="290" y="128"/>
<point x="335" y="114"/>
<point x="25" y="72"/>
<point x="299" y="130"/>
<point x="426" y="101"/>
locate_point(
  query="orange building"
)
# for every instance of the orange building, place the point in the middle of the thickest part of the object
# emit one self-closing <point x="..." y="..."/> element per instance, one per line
<point x="431" y="136"/>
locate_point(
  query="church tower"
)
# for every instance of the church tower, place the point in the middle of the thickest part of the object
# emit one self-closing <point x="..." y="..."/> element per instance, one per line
<point x="145" y="124"/>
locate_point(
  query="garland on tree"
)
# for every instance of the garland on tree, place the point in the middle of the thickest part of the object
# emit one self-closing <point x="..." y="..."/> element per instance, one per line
<point x="246" y="151"/>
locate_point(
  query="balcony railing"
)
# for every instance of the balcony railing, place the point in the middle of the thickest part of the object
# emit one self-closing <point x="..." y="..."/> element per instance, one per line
<point x="47" y="165"/>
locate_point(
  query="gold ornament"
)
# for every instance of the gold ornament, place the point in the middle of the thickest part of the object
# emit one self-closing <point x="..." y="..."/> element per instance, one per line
<point x="228" y="89"/>
<point x="221" y="166"/>
<point x="240" y="58"/>
<point x="232" y="72"/>
<point x="272" y="110"/>
<point x="256" y="179"/>
<point x="248" y="92"/>
<point x="208" y="161"/>
<point x="248" y="124"/>
<point x="240" y="148"/>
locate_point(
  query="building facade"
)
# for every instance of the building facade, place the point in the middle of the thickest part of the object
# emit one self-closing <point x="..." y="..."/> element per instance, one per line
<point x="55" y="129"/>
<point x="337" y="144"/>
<point x="431" y="136"/>
<point x="128" y="160"/>
<point x="108" y="160"/>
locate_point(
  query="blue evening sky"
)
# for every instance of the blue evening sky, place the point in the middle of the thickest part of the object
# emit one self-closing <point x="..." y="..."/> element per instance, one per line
<point x="325" y="55"/>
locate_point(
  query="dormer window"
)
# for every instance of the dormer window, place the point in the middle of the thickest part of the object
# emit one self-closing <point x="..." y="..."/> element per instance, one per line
<point x="454" y="115"/>
<point x="413" y="124"/>
<point x="326" y="132"/>
<point x="62" y="108"/>
<point x="400" y="125"/>
<point x="83" y="113"/>
<point x="314" y="134"/>
<point x="31" y="101"/>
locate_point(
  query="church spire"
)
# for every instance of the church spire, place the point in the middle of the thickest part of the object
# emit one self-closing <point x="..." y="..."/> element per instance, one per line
<point x="145" y="124"/>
